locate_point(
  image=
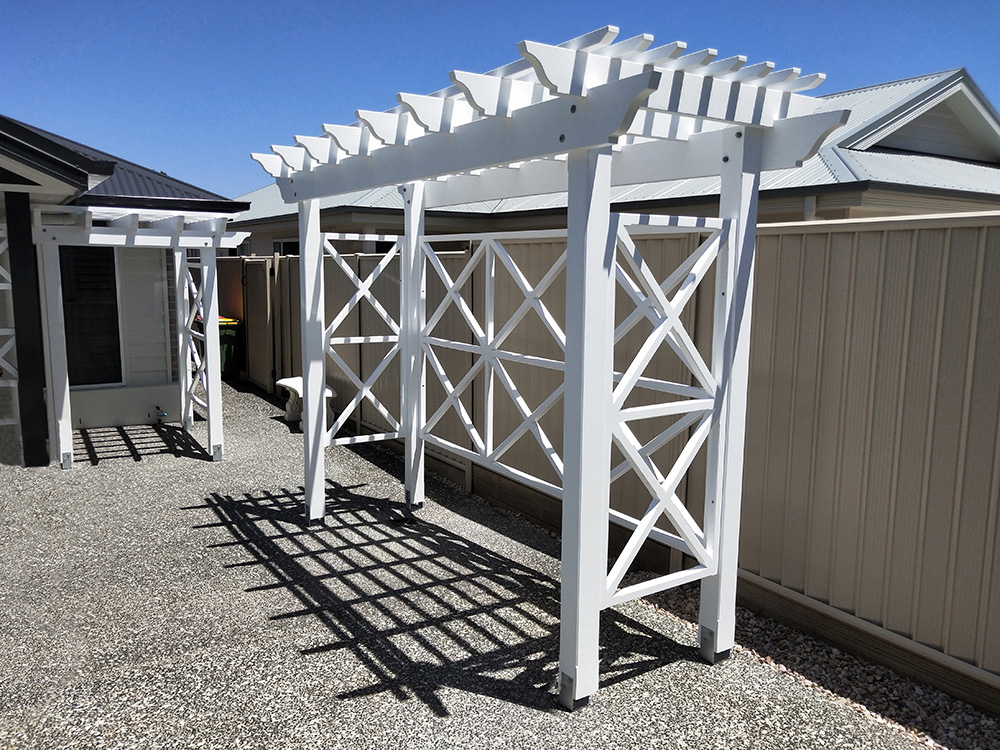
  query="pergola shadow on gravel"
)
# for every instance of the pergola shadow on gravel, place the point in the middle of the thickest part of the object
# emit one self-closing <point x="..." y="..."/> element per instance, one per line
<point x="94" y="445"/>
<point x="419" y="607"/>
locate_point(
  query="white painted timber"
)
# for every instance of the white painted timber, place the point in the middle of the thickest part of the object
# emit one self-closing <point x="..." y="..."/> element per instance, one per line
<point x="212" y="354"/>
<point x="731" y="367"/>
<point x="312" y="300"/>
<point x="550" y="127"/>
<point x="184" y="343"/>
<point x="55" y="337"/>
<point x="579" y="117"/>
<point x="412" y="317"/>
<point x="586" y="430"/>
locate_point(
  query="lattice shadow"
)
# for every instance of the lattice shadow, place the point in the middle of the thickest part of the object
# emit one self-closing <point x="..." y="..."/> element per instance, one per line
<point x="136" y="442"/>
<point x="420" y="608"/>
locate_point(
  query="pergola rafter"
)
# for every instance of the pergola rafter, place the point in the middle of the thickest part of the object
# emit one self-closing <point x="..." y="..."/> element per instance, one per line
<point x="579" y="118"/>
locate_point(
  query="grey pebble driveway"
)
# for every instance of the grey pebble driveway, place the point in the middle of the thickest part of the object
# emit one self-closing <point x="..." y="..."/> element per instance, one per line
<point x="152" y="599"/>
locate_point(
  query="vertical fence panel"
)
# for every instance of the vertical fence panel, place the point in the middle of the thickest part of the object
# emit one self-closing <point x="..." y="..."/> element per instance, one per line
<point x="971" y="524"/>
<point x="925" y="303"/>
<point x="798" y="511"/>
<point x="888" y="373"/>
<point x="854" y="447"/>
<point x="885" y="464"/>
<point x="258" y="321"/>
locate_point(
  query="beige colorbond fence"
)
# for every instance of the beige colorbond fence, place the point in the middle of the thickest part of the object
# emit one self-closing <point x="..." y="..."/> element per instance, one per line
<point x="873" y="456"/>
<point x="873" y="462"/>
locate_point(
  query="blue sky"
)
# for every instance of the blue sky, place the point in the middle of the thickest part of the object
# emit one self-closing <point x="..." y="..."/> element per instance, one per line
<point x="191" y="88"/>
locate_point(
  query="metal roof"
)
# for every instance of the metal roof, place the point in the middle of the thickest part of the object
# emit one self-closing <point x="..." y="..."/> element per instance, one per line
<point x="832" y="165"/>
<point x="119" y="182"/>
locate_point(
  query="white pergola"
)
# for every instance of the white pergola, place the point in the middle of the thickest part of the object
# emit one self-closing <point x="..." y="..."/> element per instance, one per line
<point x="582" y="118"/>
<point x="194" y="240"/>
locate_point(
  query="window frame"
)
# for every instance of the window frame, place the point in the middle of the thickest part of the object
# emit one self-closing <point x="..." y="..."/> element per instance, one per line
<point x="118" y="320"/>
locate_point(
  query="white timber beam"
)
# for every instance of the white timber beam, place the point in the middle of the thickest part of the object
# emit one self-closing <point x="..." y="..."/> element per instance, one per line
<point x="551" y="127"/>
<point x="788" y="143"/>
<point x="355" y="140"/>
<point x="438" y="114"/>
<point x="182" y="305"/>
<point x="61" y="440"/>
<point x="391" y="128"/>
<point x="497" y="97"/>
<point x="272" y="163"/>
<point x="590" y="273"/>
<point x="293" y="156"/>
<point x="321" y="148"/>
<point x="212" y="354"/>
<point x="313" y="333"/>
<point x="730" y="368"/>
<point x="412" y="318"/>
<point x="660" y="55"/>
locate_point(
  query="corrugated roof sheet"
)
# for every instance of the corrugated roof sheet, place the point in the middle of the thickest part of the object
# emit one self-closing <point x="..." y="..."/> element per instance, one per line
<point x="131" y="180"/>
<point x="925" y="171"/>
<point x="868" y="103"/>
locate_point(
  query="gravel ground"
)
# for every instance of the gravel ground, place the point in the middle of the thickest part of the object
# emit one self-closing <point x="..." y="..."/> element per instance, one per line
<point x="153" y="599"/>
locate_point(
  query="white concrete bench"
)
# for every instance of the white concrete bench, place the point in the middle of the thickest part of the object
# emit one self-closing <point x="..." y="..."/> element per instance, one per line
<point x="293" y="408"/>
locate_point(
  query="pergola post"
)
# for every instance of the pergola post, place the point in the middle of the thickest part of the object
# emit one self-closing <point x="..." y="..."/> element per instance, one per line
<point x="412" y="315"/>
<point x="590" y="282"/>
<point x="181" y="313"/>
<point x="58" y="370"/>
<point x="740" y="171"/>
<point x="313" y="304"/>
<point x="213" y="357"/>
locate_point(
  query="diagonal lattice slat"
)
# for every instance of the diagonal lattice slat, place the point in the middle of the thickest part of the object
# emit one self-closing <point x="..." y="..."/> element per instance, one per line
<point x="196" y="339"/>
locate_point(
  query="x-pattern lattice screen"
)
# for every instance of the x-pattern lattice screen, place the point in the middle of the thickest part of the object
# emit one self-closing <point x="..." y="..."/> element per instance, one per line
<point x="498" y="362"/>
<point x="660" y="414"/>
<point x="195" y="336"/>
<point x="8" y="369"/>
<point x="363" y="288"/>
<point x="8" y="362"/>
<point x="659" y="424"/>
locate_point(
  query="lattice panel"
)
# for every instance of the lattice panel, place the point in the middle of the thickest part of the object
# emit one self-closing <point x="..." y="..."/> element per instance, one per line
<point x="10" y="437"/>
<point x="196" y="338"/>
<point x="364" y="291"/>
<point x="495" y="366"/>
<point x="687" y="409"/>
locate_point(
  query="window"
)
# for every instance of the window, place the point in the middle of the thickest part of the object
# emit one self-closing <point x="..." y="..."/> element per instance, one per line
<point x="286" y="247"/>
<point x="90" y="311"/>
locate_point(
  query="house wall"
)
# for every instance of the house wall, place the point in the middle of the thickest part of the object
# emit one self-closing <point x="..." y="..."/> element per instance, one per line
<point x="872" y="479"/>
<point x="144" y="294"/>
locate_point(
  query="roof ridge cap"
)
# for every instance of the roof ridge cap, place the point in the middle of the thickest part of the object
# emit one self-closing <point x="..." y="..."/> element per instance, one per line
<point x="926" y="76"/>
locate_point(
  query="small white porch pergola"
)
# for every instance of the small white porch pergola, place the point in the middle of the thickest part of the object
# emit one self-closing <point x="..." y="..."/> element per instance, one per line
<point x="582" y="118"/>
<point x="193" y="240"/>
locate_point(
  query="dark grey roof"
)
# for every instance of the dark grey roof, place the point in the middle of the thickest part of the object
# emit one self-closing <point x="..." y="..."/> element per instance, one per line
<point x="124" y="183"/>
